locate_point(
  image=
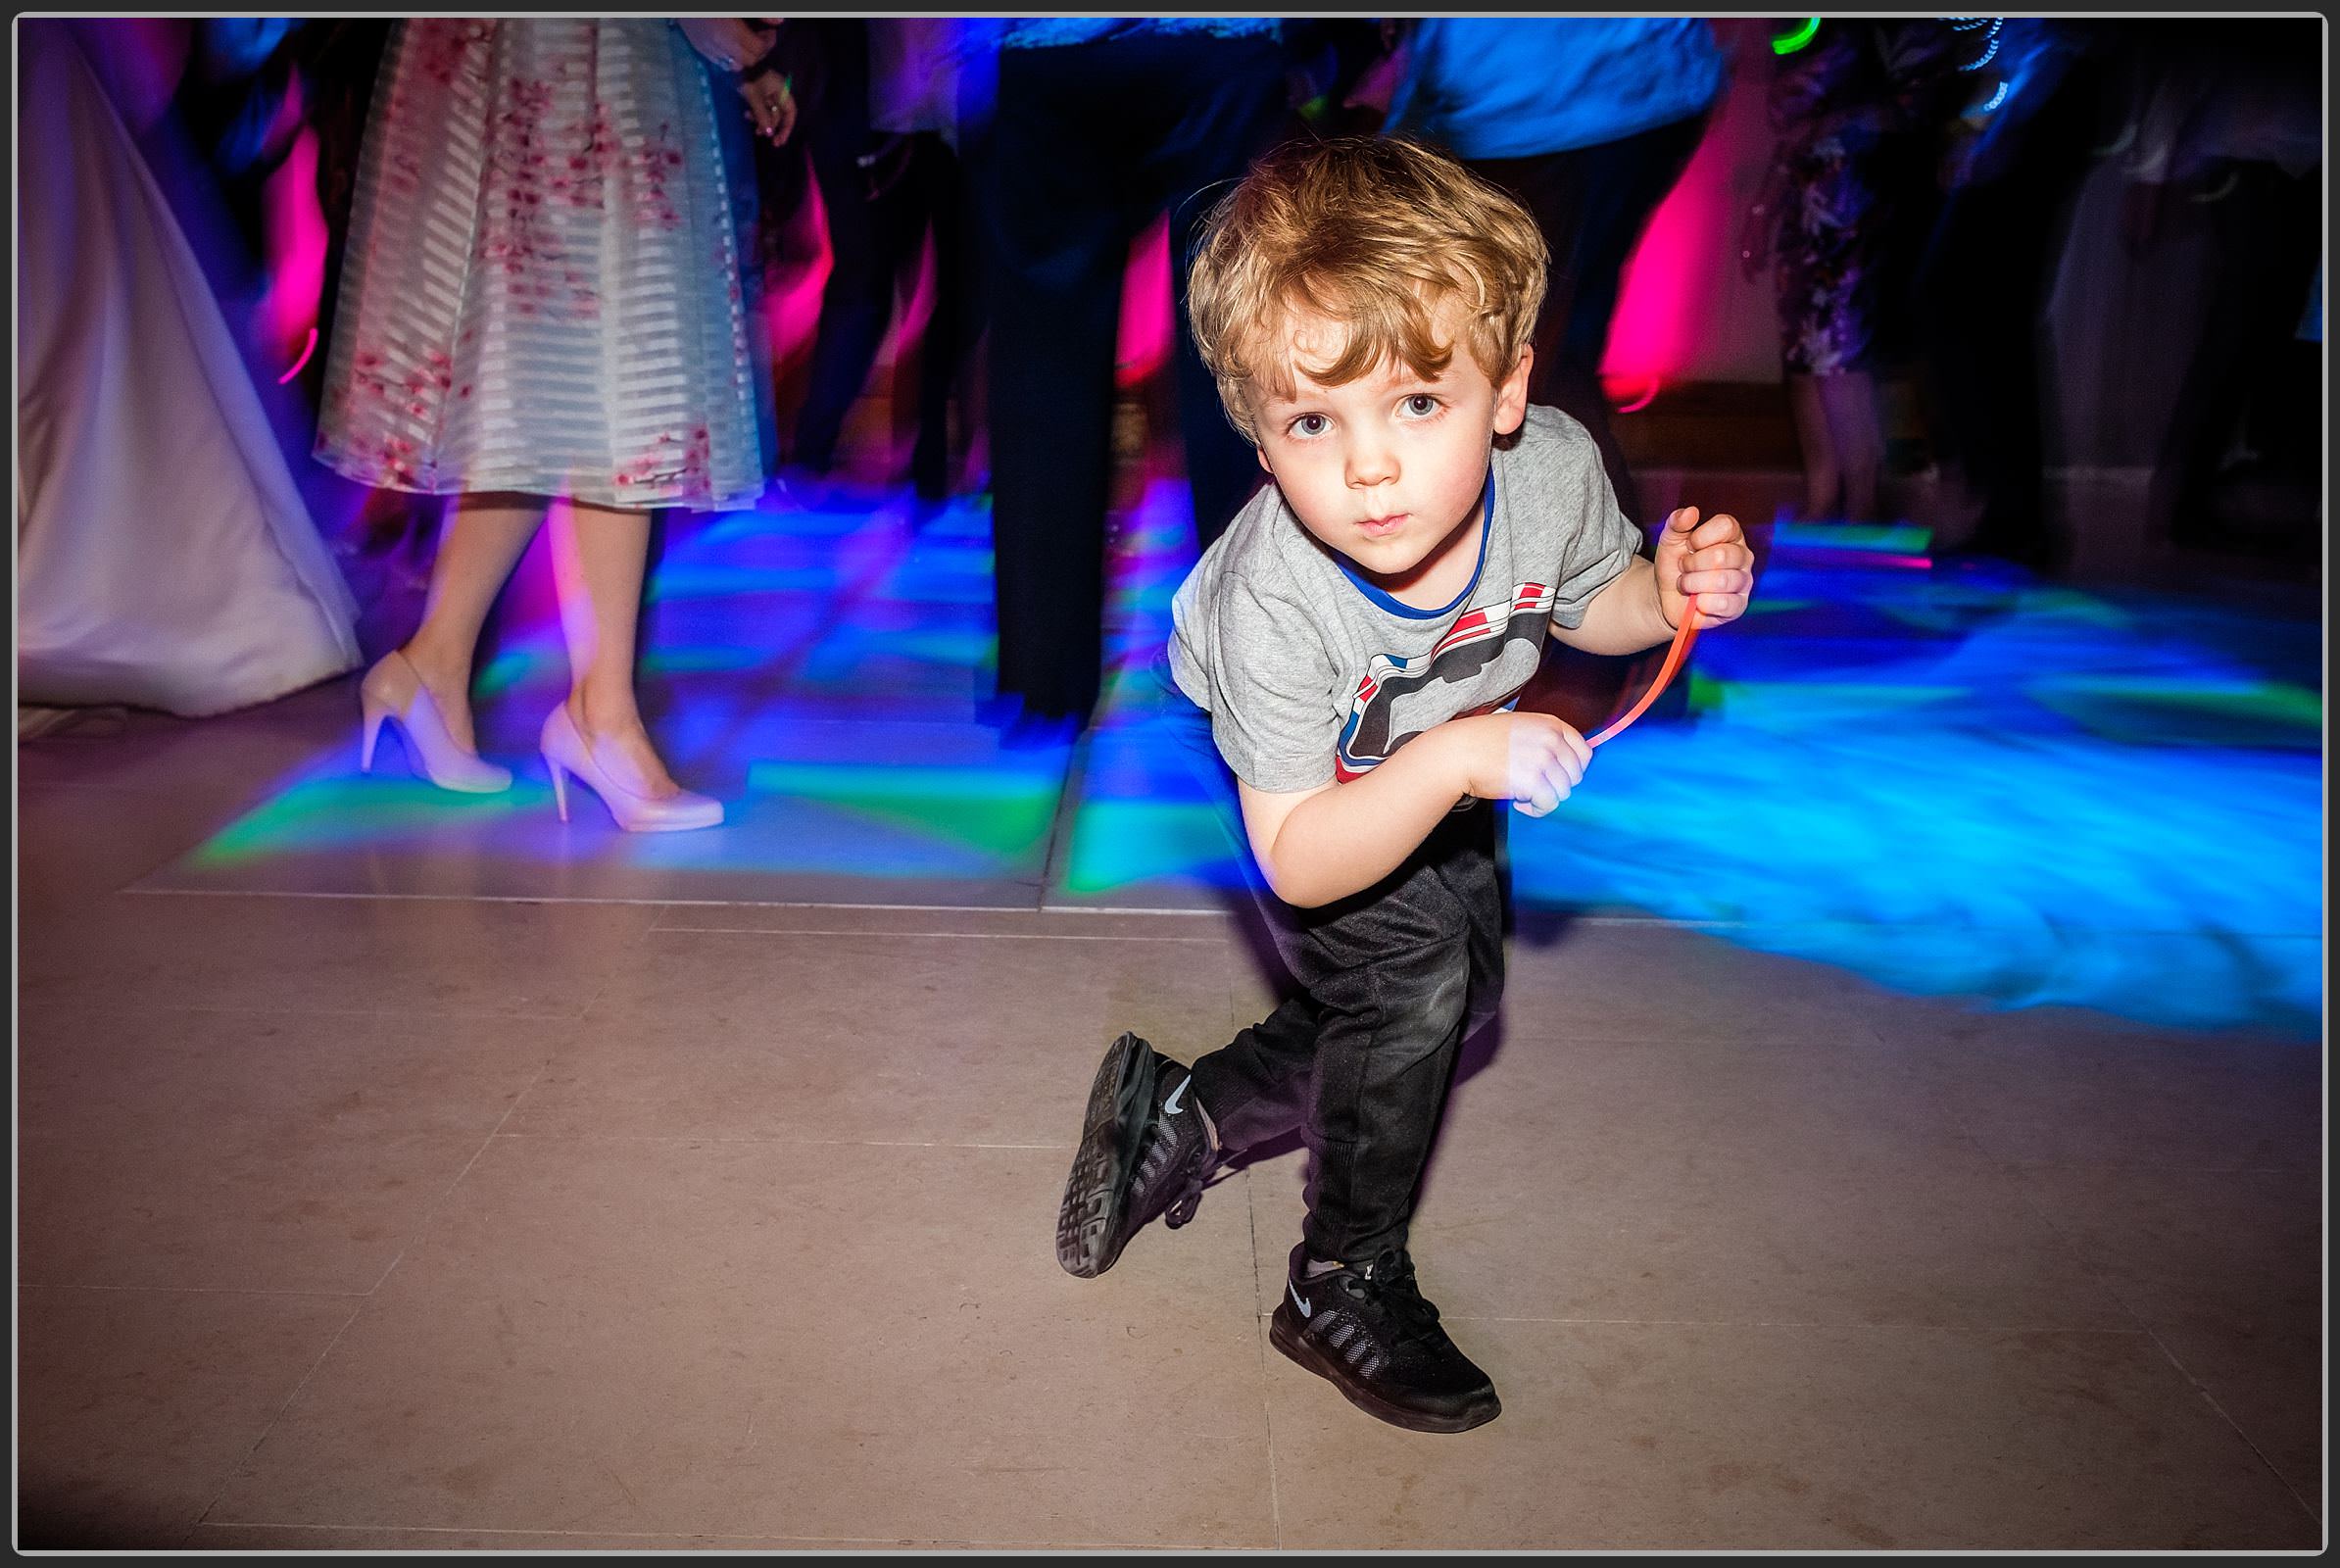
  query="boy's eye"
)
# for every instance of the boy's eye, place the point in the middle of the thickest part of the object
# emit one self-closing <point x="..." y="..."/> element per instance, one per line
<point x="1420" y="405"/>
<point x="1311" y="424"/>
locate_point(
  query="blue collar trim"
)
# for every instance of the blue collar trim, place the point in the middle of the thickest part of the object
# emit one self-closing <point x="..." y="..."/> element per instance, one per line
<point x="1487" y="528"/>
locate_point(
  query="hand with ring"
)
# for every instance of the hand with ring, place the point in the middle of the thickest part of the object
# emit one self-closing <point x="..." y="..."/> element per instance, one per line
<point x="726" y="42"/>
<point x="772" y="104"/>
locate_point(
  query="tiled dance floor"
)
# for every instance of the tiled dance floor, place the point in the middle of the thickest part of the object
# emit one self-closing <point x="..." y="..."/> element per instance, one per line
<point x="1974" y="785"/>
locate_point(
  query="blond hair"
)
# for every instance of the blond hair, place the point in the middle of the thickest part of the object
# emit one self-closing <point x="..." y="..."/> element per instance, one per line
<point x="1375" y="235"/>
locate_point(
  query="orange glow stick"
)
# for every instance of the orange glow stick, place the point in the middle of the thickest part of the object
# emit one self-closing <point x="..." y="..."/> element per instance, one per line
<point x="1682" y="638"/>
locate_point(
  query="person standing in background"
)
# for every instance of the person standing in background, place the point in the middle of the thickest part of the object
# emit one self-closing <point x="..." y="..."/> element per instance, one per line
<point x="2230" y="124"/>
<point x="541" y="300"/>
<point x="1845" y="107"/>
<point x="2033" y="118"/>
<point x="164" y="556"/>
<point x="884" y="152"/>
<point x="1098" y="126"/>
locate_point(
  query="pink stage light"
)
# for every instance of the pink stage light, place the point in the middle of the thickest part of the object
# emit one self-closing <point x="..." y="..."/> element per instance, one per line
<point x="1143" y="340"/>
<point x="1648" y="395"/>
<point x="307" y="349"/>
<point x="296" y="240"/>
<point x="1672" y="300"/>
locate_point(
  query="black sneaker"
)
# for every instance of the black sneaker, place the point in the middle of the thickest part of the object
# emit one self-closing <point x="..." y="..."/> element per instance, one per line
<point x="1144" y="1152"/>
<point x="1369" y="1332"/>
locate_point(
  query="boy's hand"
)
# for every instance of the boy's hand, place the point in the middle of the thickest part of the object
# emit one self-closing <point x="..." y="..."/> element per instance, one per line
<point x="1709" y="558"/>
<point x="1531" y="760"/>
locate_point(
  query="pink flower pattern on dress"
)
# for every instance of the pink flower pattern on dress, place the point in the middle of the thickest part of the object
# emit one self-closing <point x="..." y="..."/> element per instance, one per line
<point x="552" y="126"/>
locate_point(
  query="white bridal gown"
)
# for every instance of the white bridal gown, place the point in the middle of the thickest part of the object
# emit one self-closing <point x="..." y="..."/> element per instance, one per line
<point x="164" y="557"/>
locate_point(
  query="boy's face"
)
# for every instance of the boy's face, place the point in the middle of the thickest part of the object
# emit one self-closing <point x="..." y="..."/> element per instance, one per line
<point x="1388" y="467"/>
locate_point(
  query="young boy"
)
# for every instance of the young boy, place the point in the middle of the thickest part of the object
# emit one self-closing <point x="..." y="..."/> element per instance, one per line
<point x="1356" y="638"/>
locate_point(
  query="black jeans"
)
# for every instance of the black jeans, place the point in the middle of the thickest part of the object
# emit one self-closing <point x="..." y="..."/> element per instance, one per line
<point x="1387" y="985"/>
<point x="1984" y="285"/>
<point x="1090" y="142"/>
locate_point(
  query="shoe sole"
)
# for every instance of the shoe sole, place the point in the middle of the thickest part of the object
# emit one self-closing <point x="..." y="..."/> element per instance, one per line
<point x="1097" y="1189"/>
<point x="1287" y="1340"/>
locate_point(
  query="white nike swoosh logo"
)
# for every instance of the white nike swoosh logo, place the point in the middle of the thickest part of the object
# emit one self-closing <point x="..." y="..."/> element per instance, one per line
<point x="1177" y="1095"/>
<point x="1296" y="1300"/>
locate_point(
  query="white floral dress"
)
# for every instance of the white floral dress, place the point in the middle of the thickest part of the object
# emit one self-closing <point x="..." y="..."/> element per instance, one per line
<point x="542" y="291"/>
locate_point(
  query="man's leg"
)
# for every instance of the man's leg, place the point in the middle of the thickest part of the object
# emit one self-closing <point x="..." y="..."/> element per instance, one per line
<point x="1059" y="244"/>
<point x="857" y="299"/>
<point x="934" y="183"/>
<point x="1225" y="126"/>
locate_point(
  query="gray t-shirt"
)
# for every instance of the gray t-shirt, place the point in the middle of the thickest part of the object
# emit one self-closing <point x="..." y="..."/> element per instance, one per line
<point x="1312" y="674"/>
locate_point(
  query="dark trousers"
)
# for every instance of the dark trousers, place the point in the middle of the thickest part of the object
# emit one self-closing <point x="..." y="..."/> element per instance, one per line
<point x="878" y="214"/>
<point x="1386" y="985"/>
<point x="2263" y="247"/>
<point x="1982" y="288"/>
<point x="1592" y="205"/>
<point x="1090" y="142"/>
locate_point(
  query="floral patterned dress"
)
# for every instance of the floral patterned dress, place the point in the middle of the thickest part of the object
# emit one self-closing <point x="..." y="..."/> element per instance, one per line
<point x="542" y="290"/>
<point x="1846" y="107"/>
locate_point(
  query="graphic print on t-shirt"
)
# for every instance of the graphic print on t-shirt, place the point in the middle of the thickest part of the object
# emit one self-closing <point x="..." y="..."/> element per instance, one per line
<point x="1399" y="698"/>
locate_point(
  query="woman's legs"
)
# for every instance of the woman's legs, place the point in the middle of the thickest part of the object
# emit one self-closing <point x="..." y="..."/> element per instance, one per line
<point x="482" y="541"/>
<point x="598" y="562"/>
<point x="1822" y="481"/>
<point x="1855" y="436"/>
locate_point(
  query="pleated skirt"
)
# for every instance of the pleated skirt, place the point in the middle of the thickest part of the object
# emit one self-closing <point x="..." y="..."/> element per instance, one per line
<point x="542" y="285"/>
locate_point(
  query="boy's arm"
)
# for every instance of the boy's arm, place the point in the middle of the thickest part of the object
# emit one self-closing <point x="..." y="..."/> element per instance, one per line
<point x="1623" y="617"/>
<point x="1320" y="844"/>
<point x="1642" y="604"/>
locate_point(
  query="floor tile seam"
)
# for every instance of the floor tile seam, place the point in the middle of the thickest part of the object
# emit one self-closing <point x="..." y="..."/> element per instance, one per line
<point x="356" y="1297"/>
<point x="1167" y="911"/>
<point x="2072" y="1245"/>
<point x="1038" y="910"/>
<point x="592" y="900"/>
<point x="2202" y="1389"/>
<point x="1175" y="912"/>
<point x="524" y="1134"/>
<point x="1990" y="1329"/>
<point x="952" y="936"/>
<point x="1267" y="1403"/>
<point x="29" y="793"/>
<point x="1044" y="907"/>
<point x="1072" y="789"/>
<point x="40" y="1005"/>
<point x="241" y="1465"/>
<point x="1533" y="908"/>
<point x="317" y="1013"/>
<point x="2161" y="1167"/>
<point x="1884" y="1052"/>
<point x="421" y="1224"/>
<point x="704" y="1535"/>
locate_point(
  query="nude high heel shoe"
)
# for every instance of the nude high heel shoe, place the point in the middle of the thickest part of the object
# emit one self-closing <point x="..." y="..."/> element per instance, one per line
<point x="566" y="752"/>
<point x="430" y="747"/>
